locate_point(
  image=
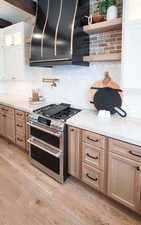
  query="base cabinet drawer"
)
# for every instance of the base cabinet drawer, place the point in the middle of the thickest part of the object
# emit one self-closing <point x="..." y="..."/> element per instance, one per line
<point x="20" y="141"/>
<point x="20" y="127"/>
<point x="94" y="139"/>
<point x="20" y="115"/>
<point x="93" y="156"/>
<point x="93" y="177"/>
<point x="124" y="149"/>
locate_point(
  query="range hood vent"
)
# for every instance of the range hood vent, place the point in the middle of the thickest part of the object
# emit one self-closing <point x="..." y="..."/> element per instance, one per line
<point x="58" y="37"/>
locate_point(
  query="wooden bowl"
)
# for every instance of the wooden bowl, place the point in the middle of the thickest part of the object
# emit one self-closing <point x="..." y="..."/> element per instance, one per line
<point x="97" y="18"/>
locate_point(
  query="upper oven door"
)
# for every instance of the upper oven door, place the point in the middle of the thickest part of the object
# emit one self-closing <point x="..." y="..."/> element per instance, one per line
<point x="47" y="135"/>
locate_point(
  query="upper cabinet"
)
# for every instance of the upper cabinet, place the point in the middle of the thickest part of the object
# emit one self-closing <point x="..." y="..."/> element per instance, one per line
<point x="57" y="35"/>
<point x="131" y="44"/>
<point x="13" y="51"/>
<point x="134" y="10"/>
<point x="1" y="54"/>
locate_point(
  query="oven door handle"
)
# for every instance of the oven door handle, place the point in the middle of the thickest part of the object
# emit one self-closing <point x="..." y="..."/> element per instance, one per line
<point x="45" y="130"/>
<point x="57" y="155"/>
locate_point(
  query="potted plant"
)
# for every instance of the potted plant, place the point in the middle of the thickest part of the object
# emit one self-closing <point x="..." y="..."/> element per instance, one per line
<point x="109" y="8"/>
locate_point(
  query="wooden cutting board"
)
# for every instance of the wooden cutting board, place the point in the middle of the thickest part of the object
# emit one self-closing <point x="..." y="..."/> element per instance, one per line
<point x="106" y="82"/>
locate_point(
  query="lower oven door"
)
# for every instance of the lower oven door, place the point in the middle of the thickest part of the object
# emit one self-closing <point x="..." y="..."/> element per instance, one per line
<point x="48" y="160"/>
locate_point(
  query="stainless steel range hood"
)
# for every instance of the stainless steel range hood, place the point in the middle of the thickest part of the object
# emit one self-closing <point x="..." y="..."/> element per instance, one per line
<point x="58" y="37"/>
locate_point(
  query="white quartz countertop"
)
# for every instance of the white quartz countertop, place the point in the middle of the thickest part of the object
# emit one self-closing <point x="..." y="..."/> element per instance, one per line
<point x="124" y="129"/>
<point x="21" y="103"/>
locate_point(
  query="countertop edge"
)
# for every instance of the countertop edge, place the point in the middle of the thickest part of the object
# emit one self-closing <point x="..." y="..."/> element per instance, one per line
<point x="109" y="135"/>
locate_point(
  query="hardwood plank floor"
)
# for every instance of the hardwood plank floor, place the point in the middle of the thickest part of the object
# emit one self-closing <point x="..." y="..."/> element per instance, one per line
<point x="29" y="197"/>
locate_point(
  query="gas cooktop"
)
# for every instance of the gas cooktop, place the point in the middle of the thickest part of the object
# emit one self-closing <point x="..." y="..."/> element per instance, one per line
<point x="61" y="111"/>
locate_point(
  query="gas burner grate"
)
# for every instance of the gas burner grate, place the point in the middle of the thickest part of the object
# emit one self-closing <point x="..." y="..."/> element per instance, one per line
<point x="64" y="114"/>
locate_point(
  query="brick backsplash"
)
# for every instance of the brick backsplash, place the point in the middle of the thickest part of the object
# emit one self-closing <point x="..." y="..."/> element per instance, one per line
<point x="107" y="42"/>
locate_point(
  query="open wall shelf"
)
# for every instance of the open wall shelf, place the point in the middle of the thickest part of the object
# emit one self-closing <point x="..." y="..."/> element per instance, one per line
<point x="105" y="26"/>
<point x="103" y="58"/>
<point x="102" y="27"/>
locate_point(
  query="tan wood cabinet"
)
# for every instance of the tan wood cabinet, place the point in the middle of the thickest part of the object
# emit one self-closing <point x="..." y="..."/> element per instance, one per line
<point x="27" y="132"/>
<point x="10" y="128"/>
<point x="123" y="180"/>
<point x="124" y="174"/>
<point x="20" y="123"/>
<point x="94" y="166"/>
<point x="13" y="125"/>
<point x="74" y="152"/>
<point x="2" y="122"/>
<point x="108" y="165"/>
<point x="7" y="122"/>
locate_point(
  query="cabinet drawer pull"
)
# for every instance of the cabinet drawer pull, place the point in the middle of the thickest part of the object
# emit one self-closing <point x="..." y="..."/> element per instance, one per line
<point x="134" y="154"/>
<point x="19" y="139"/>
<point x="19" y="114"/>
<point x="18" y="125"/>
<point x="94" y="140"/>
<point x="3" y="115"/>
<point x="94" y="179"/>
<point x="92" y="157"/>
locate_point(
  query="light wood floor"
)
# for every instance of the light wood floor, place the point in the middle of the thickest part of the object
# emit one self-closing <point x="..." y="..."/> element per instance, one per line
<point x="29" y="197"/>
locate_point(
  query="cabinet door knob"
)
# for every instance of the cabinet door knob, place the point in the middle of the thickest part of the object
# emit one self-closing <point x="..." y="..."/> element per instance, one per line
<point x="72" y="130"/>
<point x="139" y="168"/>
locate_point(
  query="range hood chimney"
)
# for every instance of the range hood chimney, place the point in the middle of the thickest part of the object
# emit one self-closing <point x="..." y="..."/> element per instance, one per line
<point x="58" y="37"/>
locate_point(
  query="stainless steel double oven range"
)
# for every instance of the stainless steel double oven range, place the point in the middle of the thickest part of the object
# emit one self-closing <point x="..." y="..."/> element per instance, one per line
<point x="48" y="139"/>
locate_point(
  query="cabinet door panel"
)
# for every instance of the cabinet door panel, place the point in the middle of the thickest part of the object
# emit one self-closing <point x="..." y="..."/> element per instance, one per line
<point x="10" y="128"/>
<point x="123" y="180"/>
<point x="14" y="61"/>
<point x="2" y="125"/>
<point x="55" y="7"/>
<point x="1" y="62"/>
<point x="74" y="152"/>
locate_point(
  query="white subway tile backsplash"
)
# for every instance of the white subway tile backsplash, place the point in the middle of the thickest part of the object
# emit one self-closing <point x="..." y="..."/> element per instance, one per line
<point x="74" y="84"/>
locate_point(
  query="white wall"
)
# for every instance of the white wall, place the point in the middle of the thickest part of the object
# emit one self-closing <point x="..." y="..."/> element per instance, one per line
<point x="131" y="63"/>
